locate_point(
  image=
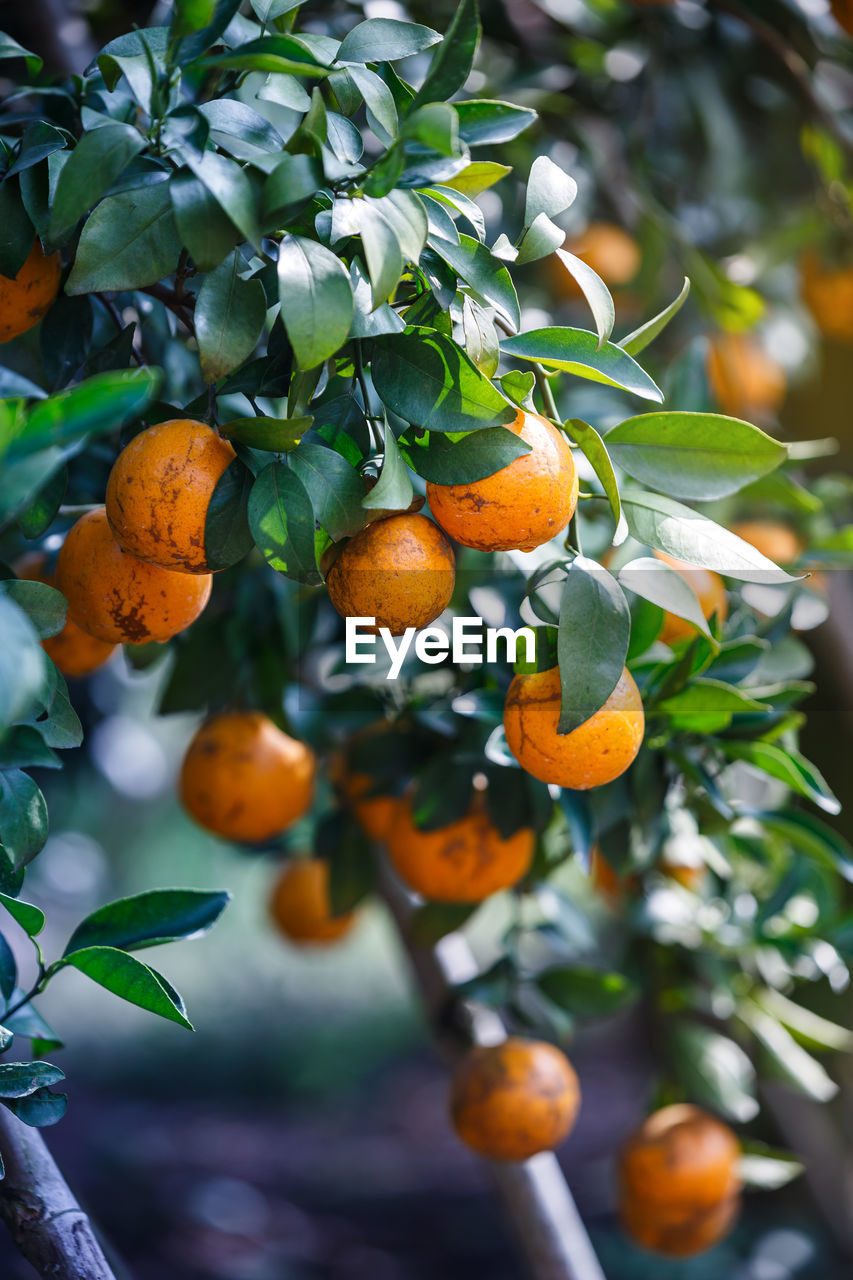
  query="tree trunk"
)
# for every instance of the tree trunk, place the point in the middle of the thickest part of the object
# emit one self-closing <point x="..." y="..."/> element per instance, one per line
<point x="550" y="1235"/>
<point x="47" y="1224"/>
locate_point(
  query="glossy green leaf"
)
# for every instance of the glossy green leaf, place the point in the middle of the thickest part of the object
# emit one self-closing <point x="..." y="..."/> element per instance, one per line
<point x="393" y="490"/>
<point x="334" y="486"/>
<point x="594" y="450"/>
<point x="429" y="381"/>
<point x="102" y="403"/>
<point x="484" y="122"/>
<point x="453" y="59"/>
<point x="229" y="319"/>
<point x="23" y="817"/>
<point x="443" y="460"/>
<point x="639" y="339"/>
<point x="149" y="919"/>
<point x="129" y="241"/>
<point x="290" y="185"/>
<point x="99" y="158"/>
<point x="594" y="290"/>
<point x="227" y="536"/>
<point x="203" y="225"/>
<point x="17" y="1079"/>
<point x="577" y="351"/>
<point x="44" y="606"/>
<point x="789" y="767"/>
<point x="486" y="275"/>
<point x="275" y="435"/>
<point x="316" y="299"/>
<point x="385" y="40"/>
<point x="660" y="584"/>
<point x="592" y="642"/>
<point x="130" y="979"/>
<point x="230" y="187"/>
<point x="699" y="456"/>
<point x="30" y="918"/>
<point x="585" y="992"/>
<point x="282" y="522"/>
<point x="549" y="190"/>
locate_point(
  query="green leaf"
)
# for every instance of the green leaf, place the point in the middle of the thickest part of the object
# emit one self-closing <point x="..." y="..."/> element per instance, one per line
<point x="130" y="979"/>
<point x="268" y="10"/>
<point x="681" y="532"/>
<point x="382" y="250"/>
<point x="787" y="1060"/>
<point x="22" y="747"/>
<point x="102" y="403"/>
<point x="385" y="40"/>
<point x="377" y="98"/>
<point x="18" y="1079"/>
<point x="60" y="726"/>
<point x="811" y="836"/>
<point x="130" y="241"/>
<point x="227" y="536"/>
<point x="660" y="584"/>
<point x="435" y="126"/>
<point x="282" y="54"/>
<point x="230" y="187"/>
<point x="8" y="967"/>
<point x="45" y="607"/>
<point x="135" y="56"/>
<point x="594" y="290"/>
<point x="592" y="642"/>
<point x="473" y="457"/>
<point x="229" y="319"/>
<point x="431" y="922"/>
<point x="38" y="1109"/>
<point x="429" y="381"/>
<point x="42" y="511"/>
<point x="23" y="817"/>
<point x="10" y="48"/>
<point x="480" y="337"/>
<point x="149" y="919"/>
<point x="203" y="225"/>
<point x="706" y="705"/>
<point x="16" y="230"/>
<point x="22" y="663"/>
<point x="715" y="1071"/>
<point x="577" y="351"/>
<point x="393" y="490"/>
<point x="291" y="184"/>
<point x="549" y="190"/>
<point x="453" y="59"/>
<point x="639" y="339"/>
<point x="477" y="177"/>
<point x="193" y="46"/>
<point x="699" y="456"/>
<point x="334" y="487"/>
<point x="807" y="1028"/>
<point x="594" y="450"/>
<point x="29" y="1023"/>
<point x="282" y="522"/>
<point x="39" y="141"/>
<point x="316" y="299"/>
<point x="275" y="435"/>
<point x="789" y="767"/>
<point x="486" y="275"/>
<point x="484" y="122"/>
<point x="100" y="157"/>
<point x="585" y="992"/>
<point x="30" y="918"/>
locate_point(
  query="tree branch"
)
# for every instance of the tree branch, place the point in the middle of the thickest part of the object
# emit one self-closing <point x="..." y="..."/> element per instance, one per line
<point x="538" y="1204"/>
<point x="47" y="1224"/>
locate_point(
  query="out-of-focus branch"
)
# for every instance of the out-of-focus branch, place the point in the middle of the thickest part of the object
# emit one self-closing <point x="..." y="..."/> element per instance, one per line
<point x="47" y="1224"/>
<point x="538" y="1204"/>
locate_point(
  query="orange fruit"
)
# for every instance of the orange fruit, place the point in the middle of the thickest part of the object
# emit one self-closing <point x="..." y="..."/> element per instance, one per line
<point x="691" y="875"/>
<point x="74" y="651"/>
<point x="521" y="506"/>
<point x="510" y="1101"/>
<point x="118" y="598"/>
<point x="710" y="589"/>
<point x="400" y="571"/>
<point x="610" y="250"/>
<point x="373" y="811"/>
<point x="24" y="300"/>
<point x="842" y="12"/>
<point x="679" y="1181"/>
<point x="606" y="879"/>
<point x="682" y="1233"/>
<point x="300" y="905"/>
<point x="244" y="779"/>
<point x="159" y="491"/>
<point x="827" y="291"/>
<point x="773" y="539"/>
<point x="465" y="861"/>
<point x="745" y="381"/>
<point x="596" y="752"/>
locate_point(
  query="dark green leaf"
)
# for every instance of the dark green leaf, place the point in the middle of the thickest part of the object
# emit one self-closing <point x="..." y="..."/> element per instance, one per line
<point x="475" y="456"/>
<point x="275" y="435"/>
<point x="10" y="48"/>
<point x="30" y="918"/>
<point x="577" y="351"/>
<point x="229" y="319"/>
<point x="592" y="643"/>
<point x="16" y="229"/>
<point x="203" y="225"/>
<point x="230" y="187"/>
<point x="282" y="522"/>
<point x="334" y="486"/>
<point x="22" y="663"/>
<point x="149" y="919"/>
<point x="385" y="40"/>
<point x="39" y="141"/>
<point x="292" y="183"/>
<point x="429" y="381"/>
<point x="38" y="1109"/>
<point x="23" y="747"/>
<point x="131" y="980"/>
<point x="44" y="606"/>
<point x="487" y="276"/>
<point x="18" y="1079"/>
<point x="129" y="241"/>
<point x="483" y="122"/>
<point x="23" y="817"/>
<point x="453" y="59"/>
<point x="316" y="299"/>
<point x="227" y="536"/>
<point x="434" y="920"/>
<point x="586" y="993"/>
<point x="99" y="158"/>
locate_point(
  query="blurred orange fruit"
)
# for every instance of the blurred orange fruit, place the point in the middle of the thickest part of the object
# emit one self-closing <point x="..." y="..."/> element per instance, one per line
<point x="519" y="507"/>
<point x="711" y="592"/>
<point x="610" y="250"/>
<point x="119" y="598"/>
<point x="300" y="904"/>
<point x="244" y="779"/>
<point x="777" y="541"/>
<point x="828" y="293"/>
<point x="745" y="381"/>
<point x="465" y="861"/>
<point x="596" y="752"/>
<point x="510" y="1101"/>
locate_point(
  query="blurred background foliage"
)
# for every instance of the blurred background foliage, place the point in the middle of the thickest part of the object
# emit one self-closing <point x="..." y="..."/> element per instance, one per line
<point x="301" y="1132"/>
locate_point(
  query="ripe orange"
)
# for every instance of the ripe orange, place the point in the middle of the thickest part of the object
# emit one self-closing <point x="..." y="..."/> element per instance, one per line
<point x="606" y="879"/>
<point x="118" y="598"/>
<point x="466" y="861"/>
<point x="74" y="651"/>
<point x="300" y="906"/>
<point x="610" y="250"/>
<point x="710" y="589"/>
<point x="773" y="539"/>
<point x="827" y="291"/>
<point x="679" y="1182"/>
<point x="596" y="752"/>
<point x="509" y="1101"/>
<point x="399" y="571"/>
<point x="842" y="12"/>
<point x="159" y="491"/>
<point x="244" y="779"/>
<point x="745" y="381"/>
<point x="24" y="300"/>
<point x="521" y="506"/>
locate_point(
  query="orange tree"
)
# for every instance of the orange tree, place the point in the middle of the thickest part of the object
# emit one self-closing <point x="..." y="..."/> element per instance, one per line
<point x="254" y="317"/>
